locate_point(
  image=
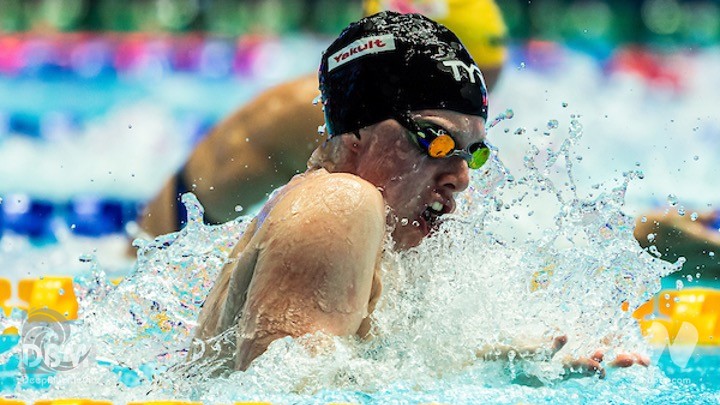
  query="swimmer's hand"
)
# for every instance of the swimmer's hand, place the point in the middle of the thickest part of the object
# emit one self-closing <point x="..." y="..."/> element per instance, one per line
<point x="573" y="367"/>
<point x="591" y="366"/>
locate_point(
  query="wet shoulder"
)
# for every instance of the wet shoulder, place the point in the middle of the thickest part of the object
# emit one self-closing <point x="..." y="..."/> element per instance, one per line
<point x="329" y="201"/>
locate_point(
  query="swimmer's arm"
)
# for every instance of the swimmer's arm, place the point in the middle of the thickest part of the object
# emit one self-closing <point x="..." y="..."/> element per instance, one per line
<point x="316" y="269"/>
<point x="679" y="236"/>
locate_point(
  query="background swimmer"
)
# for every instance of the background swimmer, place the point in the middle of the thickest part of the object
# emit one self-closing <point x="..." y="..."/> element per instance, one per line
<point x="697" y="239"/>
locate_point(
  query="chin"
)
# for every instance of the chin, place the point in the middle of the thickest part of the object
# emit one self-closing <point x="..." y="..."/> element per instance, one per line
<point x="408" y="238"/>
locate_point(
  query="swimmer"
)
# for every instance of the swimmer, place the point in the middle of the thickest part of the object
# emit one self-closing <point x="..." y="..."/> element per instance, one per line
<point x="398" y="154"/>
<point x="675" y="236"/>
<point x="266" y="142"/>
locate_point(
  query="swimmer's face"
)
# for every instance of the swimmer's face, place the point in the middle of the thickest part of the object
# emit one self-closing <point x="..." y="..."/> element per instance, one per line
<point x="417" y="188"/>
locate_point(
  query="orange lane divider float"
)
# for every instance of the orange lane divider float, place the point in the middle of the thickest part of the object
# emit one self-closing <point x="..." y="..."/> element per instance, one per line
<point x="49" y="293"/>
<point x="5" y="294"/>
<point x="682" y="315"/>
<point x="4" y="401"/>
<point x="54" y="293"/>
<point x="40" y="296"/>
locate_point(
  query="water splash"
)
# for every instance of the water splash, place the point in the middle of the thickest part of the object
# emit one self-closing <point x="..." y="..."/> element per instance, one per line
<point x="505" y="115"/>
<point x="471" y="285"/>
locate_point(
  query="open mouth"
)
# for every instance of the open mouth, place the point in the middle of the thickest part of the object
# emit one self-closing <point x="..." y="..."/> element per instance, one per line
<point x="431" y="214"/>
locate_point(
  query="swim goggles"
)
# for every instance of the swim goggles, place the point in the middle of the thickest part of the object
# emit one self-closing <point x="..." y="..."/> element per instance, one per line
<point x="437" y="143"/>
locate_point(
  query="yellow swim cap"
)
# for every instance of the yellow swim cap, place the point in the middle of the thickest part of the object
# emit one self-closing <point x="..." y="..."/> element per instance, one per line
<point x="478" y="23"/>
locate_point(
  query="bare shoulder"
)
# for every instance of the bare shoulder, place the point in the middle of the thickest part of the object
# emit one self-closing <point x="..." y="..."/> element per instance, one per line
<point x="318" y="246"/>
<point x="331" y="201"/>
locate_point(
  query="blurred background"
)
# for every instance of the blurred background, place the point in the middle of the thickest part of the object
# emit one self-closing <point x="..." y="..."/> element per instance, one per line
<point x="102" y="100"/>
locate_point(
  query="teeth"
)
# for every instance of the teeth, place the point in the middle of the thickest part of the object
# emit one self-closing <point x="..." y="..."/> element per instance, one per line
<point x="437" y="206"/>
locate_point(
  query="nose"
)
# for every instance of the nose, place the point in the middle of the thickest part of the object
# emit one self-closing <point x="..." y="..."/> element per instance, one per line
<point x="456" y="177"/>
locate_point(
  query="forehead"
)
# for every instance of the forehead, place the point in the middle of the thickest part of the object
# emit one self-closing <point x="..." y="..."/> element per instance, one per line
<point x="466" y="129"/>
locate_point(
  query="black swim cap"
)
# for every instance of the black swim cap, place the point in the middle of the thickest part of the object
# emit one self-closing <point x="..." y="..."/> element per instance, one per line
<point x="389" y="64"/>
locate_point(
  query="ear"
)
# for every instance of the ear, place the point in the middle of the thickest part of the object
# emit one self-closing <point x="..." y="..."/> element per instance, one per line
<point x="353" y="143"/>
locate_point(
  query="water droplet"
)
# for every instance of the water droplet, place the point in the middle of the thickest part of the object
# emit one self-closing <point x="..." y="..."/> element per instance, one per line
<point x="672" y="200"/>
<point x="520" y="131"/>
<point x="129" y="126"/>
<point x="681" y="211"/>
<point x="711" y="254"/>
<point x="694" y="216"/>
<point x="321" y="129"/>
<point x="522" y="65"/>
<point x="651" y="237"/>
<point x="238" y="208"/>
<point x="696" y="157"/>
<point x="564" y="105"/>
<point x="509" y="113"/>
<point x="72" y="226"/>
<point x="404" y="222"/>
<point x="507" y="130"/>
<point x="61" y="292"/>
<point x="415" y="224"/>
<point x="697" y="275"/>
<point x="317" y="99"/>
<point x="643" y="219"/>
<point x="552" y="124"/>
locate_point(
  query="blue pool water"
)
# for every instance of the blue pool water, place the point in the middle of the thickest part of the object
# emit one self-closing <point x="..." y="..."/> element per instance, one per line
<point x="698" y="382"/>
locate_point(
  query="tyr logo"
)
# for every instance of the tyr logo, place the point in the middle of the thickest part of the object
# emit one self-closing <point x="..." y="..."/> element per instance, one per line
<point x="471" y="70"/>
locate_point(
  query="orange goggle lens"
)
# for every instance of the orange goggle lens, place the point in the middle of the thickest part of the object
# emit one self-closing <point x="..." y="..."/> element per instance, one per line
<point x="441" y="146"/>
